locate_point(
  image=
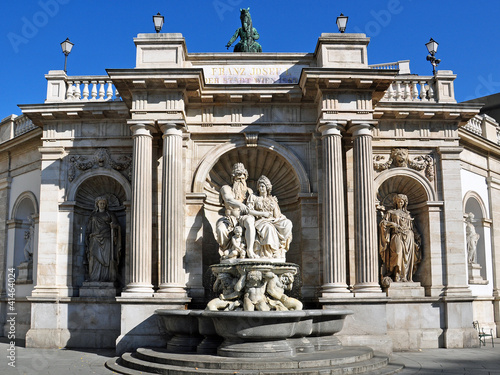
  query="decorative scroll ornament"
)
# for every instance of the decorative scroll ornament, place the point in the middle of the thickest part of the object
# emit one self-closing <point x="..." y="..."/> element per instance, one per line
<point x="400" y="159"/>
<point x="100" y="159"/>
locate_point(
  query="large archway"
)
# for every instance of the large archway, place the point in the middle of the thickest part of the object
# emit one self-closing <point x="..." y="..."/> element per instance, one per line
<point x="269" y="159"/>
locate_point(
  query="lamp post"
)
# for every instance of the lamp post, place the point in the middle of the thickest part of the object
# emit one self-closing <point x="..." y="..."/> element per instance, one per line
<point x="158" y="22"/>
<point x="432" y="47"/>
<point x="342" y="22"/>
<point x="66" y="48"/>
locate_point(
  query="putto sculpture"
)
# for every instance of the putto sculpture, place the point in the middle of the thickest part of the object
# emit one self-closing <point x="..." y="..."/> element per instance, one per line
<point x="399" y="243"/>
<point x="103" y="240"/>
<point x="247" y="34"/>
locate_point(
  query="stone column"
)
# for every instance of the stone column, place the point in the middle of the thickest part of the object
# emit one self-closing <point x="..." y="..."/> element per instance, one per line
<point x="139" y="274"/>
<point x="172" y="217"/>
<point x="365" y="225"/>
<point x="333" y="202"/>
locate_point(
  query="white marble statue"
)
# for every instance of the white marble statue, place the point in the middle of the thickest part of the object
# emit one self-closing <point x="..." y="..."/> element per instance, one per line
<point x="472" y="237"/>
<point x="103" y="242"/>
<point x="267" y="232"/>
<point x="399" y="242"/>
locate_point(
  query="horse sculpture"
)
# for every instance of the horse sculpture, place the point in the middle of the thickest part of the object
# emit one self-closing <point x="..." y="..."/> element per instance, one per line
<point x="247" y="33"/>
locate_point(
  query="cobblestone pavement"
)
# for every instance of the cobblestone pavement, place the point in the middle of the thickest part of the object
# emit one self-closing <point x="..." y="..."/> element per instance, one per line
<point x="28" y="361"/>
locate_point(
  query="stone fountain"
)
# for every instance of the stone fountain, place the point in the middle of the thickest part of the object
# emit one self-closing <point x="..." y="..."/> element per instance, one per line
<point x="253" y="326"/>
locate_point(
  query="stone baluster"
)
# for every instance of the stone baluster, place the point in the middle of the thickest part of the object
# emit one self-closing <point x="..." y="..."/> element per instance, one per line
<point x="414" y="90"/>
<point x="85" y="90"/>
<point x="76" y="93"/>
<point x="69" y="92"/>
<point x="334" y="250"/>
<point x="172" y="282"/>
<point x="139" y="275"/>
<point x="365" y="225"/>
<point x="431" y="90"/>
<point x="117" y="94"/>
<point x="407" y="91"/>
<point x="423" y="91"/>
<point x="109" y="91"/>
<point x="93" y="93"/>
<point x="101" y="90"/>
<point x="399" y="94"/>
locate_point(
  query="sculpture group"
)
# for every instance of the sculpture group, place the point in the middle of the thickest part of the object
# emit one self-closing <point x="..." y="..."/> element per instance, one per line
<point x="253" y="225"/>
<point x="253" y="237"/>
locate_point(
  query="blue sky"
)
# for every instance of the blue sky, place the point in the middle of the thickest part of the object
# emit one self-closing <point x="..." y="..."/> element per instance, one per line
<point x="103" y="30"/>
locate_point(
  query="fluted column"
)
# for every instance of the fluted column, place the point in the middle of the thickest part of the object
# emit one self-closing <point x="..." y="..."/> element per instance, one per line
<point x="172" y="216"/>
<point x="333" y="202"/>
<point x="139" y="276"/>
<point x="365" y="225"/>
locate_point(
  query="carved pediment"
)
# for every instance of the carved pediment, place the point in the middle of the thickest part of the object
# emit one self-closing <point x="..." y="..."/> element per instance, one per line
<point x="399" y="158"/>
<point x="100" y="159"/>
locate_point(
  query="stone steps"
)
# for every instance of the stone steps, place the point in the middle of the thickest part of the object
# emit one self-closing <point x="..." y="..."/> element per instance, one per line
<point x="348" y="360"/>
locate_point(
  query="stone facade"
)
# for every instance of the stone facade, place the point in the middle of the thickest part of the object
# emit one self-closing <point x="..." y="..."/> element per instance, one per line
<point x="337" y="137"/>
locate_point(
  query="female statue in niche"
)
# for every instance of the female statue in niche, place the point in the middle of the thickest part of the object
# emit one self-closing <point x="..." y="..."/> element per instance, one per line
<point x="273" y="229"/>
<point x="103" y="241"/>
<point x="472" y="237"/>
<point x="399" y="242"/>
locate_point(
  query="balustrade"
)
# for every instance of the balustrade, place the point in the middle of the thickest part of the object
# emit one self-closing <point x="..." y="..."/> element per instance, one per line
<point x="474" y="125"/>
<point x="95" y="88"/>
<point x="414" y="89"/>
<point x="22" y="124"/>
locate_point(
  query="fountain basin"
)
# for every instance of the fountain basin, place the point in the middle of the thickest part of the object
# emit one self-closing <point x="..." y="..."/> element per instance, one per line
<point x="253" y="334"/>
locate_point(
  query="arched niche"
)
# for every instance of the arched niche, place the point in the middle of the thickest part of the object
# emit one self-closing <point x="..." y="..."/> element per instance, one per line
<point x="280" y="165"/>
<point x="420" y="193"/>
<point x="472" y="202"/>
<point x="116" y="189"/>
<point x="24" y="224"/>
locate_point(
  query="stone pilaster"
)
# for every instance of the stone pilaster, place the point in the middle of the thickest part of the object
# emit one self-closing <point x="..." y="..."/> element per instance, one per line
<point x="172" y="218"/>
<point x="333" y="202"/>
<point x="139" y="270"/>
<point x="494" y="198"/>
<point x="52" y="272"/>
<point x="5" y="185"/>
<point x="455" y="262"/>
<point x="365" y="225"/>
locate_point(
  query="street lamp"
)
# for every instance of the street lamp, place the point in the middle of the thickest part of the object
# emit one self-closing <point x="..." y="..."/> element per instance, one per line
<point x="158" y="21"/>
<point x="342" y="22"/>
<point x="66" y="48"/>
<point x="432" y="47"/>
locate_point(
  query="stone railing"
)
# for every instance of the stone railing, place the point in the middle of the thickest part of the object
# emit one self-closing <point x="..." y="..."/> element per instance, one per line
<point x="61" y="88"/>
<point x="403" y="66"/>
<point x="91" y="88"/>
<point x="484" y="126"/>
<point x="13" y="126"/>
<point x="411" y="89"/>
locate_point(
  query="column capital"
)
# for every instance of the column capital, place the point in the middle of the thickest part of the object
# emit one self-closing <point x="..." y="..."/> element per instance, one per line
<point x="450" y="153"/>
<point x="331" y="127"/>
<point x="362" y="127"/>
<point x="172" y="128"/>
<point x="141" y="127"/>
